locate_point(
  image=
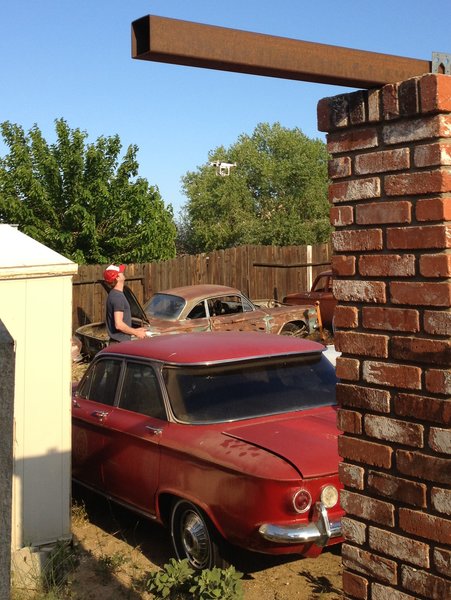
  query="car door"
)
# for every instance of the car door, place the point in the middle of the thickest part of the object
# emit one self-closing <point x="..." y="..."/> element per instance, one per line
<point x="236" y="313"/>
<point x="135" y="428"/>
<point x="92" y="404"/>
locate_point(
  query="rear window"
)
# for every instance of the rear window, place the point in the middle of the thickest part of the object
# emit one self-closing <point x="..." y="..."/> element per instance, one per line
<point x="211" y="394"/>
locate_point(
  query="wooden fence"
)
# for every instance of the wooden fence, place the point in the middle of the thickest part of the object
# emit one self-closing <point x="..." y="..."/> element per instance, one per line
<point x="259" y="271"/>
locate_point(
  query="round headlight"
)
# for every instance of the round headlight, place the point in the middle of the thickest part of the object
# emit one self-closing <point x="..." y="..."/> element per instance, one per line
<point x="329" y="496"/>
<point x="302" y="501"/>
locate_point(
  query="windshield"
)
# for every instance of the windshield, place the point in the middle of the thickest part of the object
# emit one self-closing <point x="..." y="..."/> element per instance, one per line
<point x="164" y="306"/>
<point x="220" y="393"/>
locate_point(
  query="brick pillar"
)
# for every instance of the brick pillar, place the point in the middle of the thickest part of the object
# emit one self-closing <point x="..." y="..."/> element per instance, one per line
<point x="390" y="192"/>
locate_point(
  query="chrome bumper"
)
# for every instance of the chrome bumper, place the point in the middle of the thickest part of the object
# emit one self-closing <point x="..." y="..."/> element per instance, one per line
<point x="320" y="530"/>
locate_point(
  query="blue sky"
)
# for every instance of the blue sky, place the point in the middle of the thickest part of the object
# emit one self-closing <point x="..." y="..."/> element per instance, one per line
<point x="72" y="59"/>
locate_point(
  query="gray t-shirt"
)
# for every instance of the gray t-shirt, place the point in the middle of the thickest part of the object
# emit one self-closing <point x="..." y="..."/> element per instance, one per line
<point x="117" y="302"/>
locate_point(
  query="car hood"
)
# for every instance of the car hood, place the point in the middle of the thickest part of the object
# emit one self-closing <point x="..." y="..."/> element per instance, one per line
<point x="307" y="441"/>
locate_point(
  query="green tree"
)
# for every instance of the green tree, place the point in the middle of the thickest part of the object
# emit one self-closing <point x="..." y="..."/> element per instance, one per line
<point x="80" y="199"/>
<point x="277" y="193"/>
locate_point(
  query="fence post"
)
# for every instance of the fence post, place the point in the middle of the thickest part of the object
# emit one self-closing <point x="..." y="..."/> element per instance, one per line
<point x="309" y="268"/>
<point x="7" y="365"/>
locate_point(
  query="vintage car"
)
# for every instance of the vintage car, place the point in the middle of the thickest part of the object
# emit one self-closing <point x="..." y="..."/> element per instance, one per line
<point x="205" y="308"/>
<point x="228" y="439"/>
<point x="321" y="292"/>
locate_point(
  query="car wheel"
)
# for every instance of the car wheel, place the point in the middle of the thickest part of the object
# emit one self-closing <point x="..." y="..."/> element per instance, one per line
<point x="294" y="330"/>
<point x="195" y="538"/>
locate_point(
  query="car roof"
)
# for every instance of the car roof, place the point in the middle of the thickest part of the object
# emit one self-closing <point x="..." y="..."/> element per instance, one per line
<point x="214" y="347"/>
<point x="200" y="291"/>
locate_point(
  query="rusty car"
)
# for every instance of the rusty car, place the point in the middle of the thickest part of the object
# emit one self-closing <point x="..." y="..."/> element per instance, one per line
<point x="205" y="307"/>
<point x="322" y="293"/>
<point x="228" y="439"/>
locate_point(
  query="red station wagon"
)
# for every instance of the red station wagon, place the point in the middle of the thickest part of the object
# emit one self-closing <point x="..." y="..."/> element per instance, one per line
<point x="226" y="438"/>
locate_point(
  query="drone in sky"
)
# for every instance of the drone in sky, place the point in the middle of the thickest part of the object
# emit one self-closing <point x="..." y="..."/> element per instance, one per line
<point x="222" y="168"/>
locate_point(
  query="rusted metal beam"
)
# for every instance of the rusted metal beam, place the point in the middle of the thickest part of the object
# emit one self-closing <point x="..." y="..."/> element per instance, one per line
<point x="192" y="44"/>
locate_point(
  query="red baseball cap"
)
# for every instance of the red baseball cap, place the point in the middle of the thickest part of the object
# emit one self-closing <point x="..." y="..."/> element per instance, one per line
<point x="110" y="274"/>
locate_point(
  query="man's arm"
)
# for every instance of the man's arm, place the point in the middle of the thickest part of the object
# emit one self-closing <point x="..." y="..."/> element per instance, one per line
<point x="139" y="332"/>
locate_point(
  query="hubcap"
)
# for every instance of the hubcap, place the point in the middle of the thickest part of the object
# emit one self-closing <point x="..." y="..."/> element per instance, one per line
<point x="195" y="540"/>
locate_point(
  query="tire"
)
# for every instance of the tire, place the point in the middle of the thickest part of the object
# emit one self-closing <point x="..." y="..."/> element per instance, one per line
<point x="195" y="538"/>
<point x="294" y="330"/>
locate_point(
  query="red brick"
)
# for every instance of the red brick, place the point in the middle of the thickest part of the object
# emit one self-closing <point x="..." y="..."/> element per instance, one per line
<point x="424" y="408"/>
<point x="432" y="155"/>
<point x="368" y="453"/>
<point x="435" y="265"/>
<point x="355" y="189"/>
<point x="391" y="319"/>
<point x="346" y="316"/>
<point x="354" y="531"/>
<point x="423" y="466"/>
<point x="393" y="430"/>
<point x="437" y="322"/>
<point x="412" y="130"/>
<point x="427" y="236"/>
<point x="376" y="213"/>
<point x="340" y="216"/>
<point x="360" y="291"/>
<point x="424" y="182"/>
<point x="439" y="440"/>
<point x="408" y="96"/>
<point x="343" y="265"/>
<point x="433" y="209"/>
<point x="396" y="488"/>
<point x="390" y="105"/>
<point x="417" y="293"/>
<point x="399" y="547"/>
<point x="442" y="561"/>
<point x="435" y="93"/>
<point x="425" y="584"/>
<point x="364" y="344"/>
<point x="323" y="109"/>
<point x="421" y="350"/>
<point x="339" y="167"/>
<point x="382" y="592"/>
<point x="354" y="241"/>
<point x="367" y="508"/>
<point x="441" y="500"/>
<point x="351" y="475"/>
<point x="349" y="421"/>
<point x="355" y="586"/>
<point x="374" y="99"/>
<point x="363" y="397"/>
<point x="347" y="368"/>
<point x="438" y="381"/>
<point x="354" y="139"/>
<point x="383" y="161"/>
<point x="399" y="376"/>
<point x="425" y="526"/>
<point x="369" y="564"/>
<point x="357" y="109"/>
<point x="387" y="265"/>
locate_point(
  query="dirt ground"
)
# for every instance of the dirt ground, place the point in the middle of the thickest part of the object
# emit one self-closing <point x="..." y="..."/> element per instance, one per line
<point x="116" y="549"/>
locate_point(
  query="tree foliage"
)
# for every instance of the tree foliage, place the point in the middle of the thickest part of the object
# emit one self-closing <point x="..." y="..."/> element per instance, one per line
<point x="277" y="193"/>
<point x="80" y="199"/>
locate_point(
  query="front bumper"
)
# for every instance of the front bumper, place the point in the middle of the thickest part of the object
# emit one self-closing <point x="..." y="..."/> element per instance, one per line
<point x="319" y="531"/>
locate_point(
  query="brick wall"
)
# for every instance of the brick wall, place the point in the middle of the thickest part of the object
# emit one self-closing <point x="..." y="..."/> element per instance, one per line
<point x="390" y="195"/>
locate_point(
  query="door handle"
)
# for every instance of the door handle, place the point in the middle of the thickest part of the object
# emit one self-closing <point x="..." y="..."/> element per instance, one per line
<point x="154" y="430"/>
<point x="100" y="414"/>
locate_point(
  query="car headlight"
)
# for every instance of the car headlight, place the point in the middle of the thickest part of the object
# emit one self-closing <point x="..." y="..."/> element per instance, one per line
<point x="329" y="496"/>
<point x="302" y="501"/>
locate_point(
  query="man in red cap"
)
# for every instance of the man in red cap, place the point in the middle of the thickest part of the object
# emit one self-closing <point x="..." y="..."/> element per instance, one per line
<point x="118" y="313"/>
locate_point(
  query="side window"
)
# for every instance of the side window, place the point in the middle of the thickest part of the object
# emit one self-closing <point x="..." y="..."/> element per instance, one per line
<point x="141" y="391"/>
<point x="101" y="380"/>
<point x="198" y="312"/>
<point x="226" y="305"/>
<point x="322" y="284"/>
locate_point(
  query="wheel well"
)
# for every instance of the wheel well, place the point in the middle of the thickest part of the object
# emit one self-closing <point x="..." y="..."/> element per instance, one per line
<point x="167" y="500"/>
